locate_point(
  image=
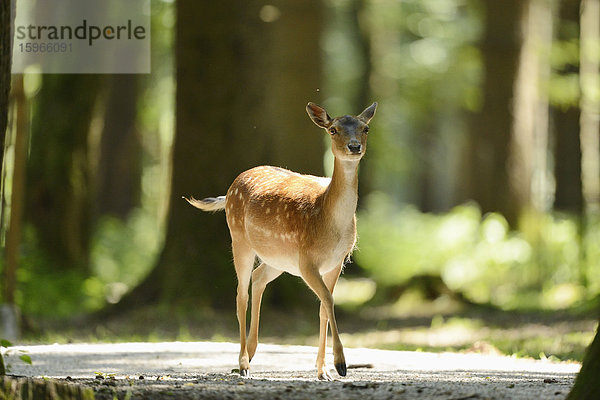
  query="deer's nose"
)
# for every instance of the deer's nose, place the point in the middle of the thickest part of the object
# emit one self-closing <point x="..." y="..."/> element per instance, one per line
<point x="354" y="147"/>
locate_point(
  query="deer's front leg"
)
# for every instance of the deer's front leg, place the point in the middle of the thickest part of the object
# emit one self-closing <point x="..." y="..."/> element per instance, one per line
<point x="313" y="279"/>
<point x="330" y="280"/>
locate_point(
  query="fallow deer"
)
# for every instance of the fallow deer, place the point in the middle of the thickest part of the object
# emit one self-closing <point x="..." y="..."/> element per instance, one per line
<point x="300" y="224"/>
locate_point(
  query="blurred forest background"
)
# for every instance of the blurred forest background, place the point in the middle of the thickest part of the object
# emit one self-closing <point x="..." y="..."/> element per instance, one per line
<point x="481" y="183"/>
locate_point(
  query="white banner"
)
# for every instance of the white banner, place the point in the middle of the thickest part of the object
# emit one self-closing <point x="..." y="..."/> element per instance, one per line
<point x="81" y="36"/>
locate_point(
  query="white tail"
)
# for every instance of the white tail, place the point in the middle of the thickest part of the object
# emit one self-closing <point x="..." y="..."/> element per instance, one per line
<point x="208" y="204"/>
<point x="294" y="223"/>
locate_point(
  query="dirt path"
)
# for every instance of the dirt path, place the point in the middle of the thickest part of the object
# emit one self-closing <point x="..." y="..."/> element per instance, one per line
<point x="203" y="370"/>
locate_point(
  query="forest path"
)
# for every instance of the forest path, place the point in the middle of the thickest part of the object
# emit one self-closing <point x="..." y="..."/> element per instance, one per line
<point x="203" y="370"/>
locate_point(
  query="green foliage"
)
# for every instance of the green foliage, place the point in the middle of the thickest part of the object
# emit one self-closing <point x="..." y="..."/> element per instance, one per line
<point x="564" y="85"/>
<point x="4" y="368"/>
<point x="426" y="72"/>
<point x="26" y="359"/>
<point x="3" y="343"/>
<point x="405" y="239"/>
<point x="539" y="266"/>
<point x="564" y="90"/>
<point x="41" y="290"/>
<point x="122" y="254"/>
<point x="423" y="66"/>
<point x="474" y="335"/>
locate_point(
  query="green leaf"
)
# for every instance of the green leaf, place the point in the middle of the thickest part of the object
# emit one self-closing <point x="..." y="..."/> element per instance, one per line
<point x="2" y="367"/>
<point x="26" y="359"/>
<point x="5" y="343"/>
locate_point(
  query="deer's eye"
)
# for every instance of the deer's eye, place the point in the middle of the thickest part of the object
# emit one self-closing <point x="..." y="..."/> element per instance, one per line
<point x="366" y="130"/>
<point x="332" y="130"/>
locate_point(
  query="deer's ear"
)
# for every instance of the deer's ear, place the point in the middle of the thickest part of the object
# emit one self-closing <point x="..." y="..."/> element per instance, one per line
<point x="368" y="113"/>
<point x="318" y="115"/>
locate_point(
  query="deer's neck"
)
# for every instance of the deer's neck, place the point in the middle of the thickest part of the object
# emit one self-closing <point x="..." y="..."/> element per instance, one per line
<point x="342" y="194"/>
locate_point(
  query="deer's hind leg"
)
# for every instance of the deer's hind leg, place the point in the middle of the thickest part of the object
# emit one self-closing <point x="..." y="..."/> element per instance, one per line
<point x="262" y="275"/>
<point x="243" y="259"/>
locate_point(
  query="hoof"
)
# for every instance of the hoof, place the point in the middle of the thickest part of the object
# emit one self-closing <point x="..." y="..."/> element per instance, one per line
<point x="245" y="373"/>
<point x="341" y="368"/>
<point x="325" y="376"/>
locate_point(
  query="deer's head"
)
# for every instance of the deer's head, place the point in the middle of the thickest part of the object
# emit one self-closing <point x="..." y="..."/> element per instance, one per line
<point x="348" y="133"/>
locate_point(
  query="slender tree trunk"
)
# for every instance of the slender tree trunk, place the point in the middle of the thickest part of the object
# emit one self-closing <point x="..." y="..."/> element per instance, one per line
<point x="488" y="182"/>
<point x="426" y="174"/>
<point x="362" y="98"/>
<point x="528" y="160"/>
<point x="567" y="161"/>
<point x="5" y="68"/>
<point x="13" y="238"/>
<point x="586" y="385"/>
<point x="567" y="148"/>
<point x="589" y="80"/>
<point x="7" y="309"/>
<point x="119" y="171"/>
<point x="590" y="104"/>
<point x="17" y="199"/>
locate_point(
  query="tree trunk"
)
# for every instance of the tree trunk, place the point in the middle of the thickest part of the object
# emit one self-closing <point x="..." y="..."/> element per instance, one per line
<point x="362" y="99"/>
<point x="58" y="182"/>
<point x="17" y="199"/>
<point x="586" y="385"/>
<point x="567" y="161"/>
<point x="293" y="68"/>
<point x="5" y="67"/>
<point x="567" y="157"/>
<point x="119" y="171"/>
<point x="488" y="182"/>
<point x="528" y="159"/>
<point x="242" y="85"/>
<point x="293" y="65"/>
<point x="589" y="78"/>
<point x="9" y="328"/>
